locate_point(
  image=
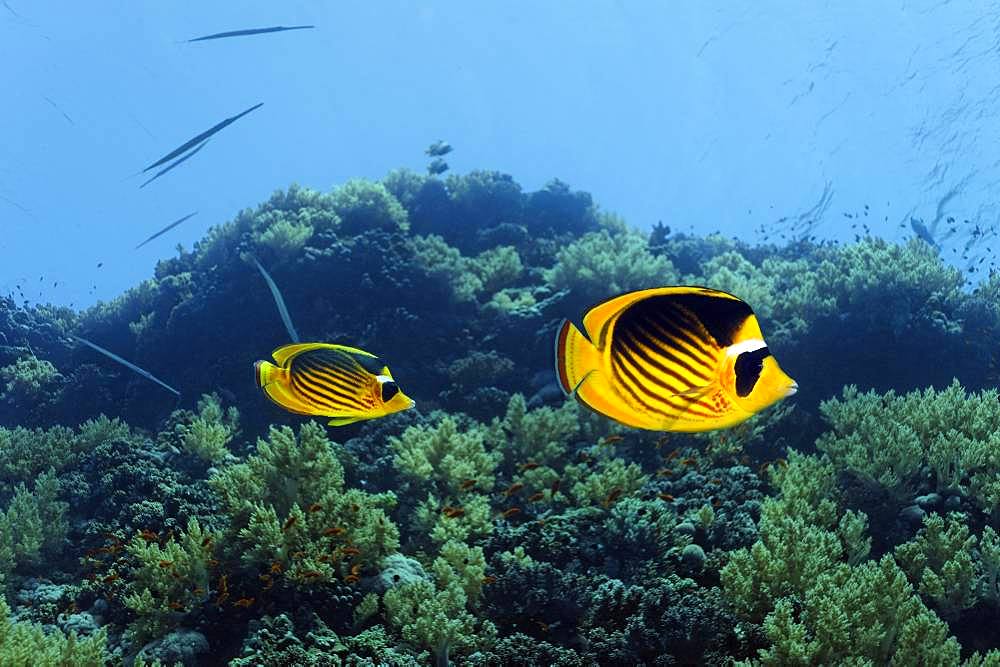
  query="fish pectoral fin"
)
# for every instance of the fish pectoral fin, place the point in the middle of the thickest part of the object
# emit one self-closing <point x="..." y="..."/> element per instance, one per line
<point x="344" y="421"/>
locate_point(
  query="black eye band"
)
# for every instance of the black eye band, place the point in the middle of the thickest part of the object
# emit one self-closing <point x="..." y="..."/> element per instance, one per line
<point x="748" y="367"/>
<point x="389" y="389"/>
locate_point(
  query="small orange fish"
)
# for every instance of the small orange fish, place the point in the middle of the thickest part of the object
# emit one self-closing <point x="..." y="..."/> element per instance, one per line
<point x="334" y="532"/>
<point x="352" y="579"/>
<point x="166" y="563"/>
<point x="535" y="497"/>
<point x="110" y="579"/>
<point x="356" y="569"/>
<point x="453" y="512"/>
<point x="611" y="439"/>
<point x="782" y="463"/>
<point x="351" y="551"/>
<point x="662" y="440"/>
<point x="211" y="562"/>
<point x="664" y="472"/>
<point x="315" y="507"/>
<point x="689" y="462"/>
<point x="715" y="481"/>
<point x="289" y="522"/>
<point x="245" y="603"/>
<point x="529" y="465"/>
<point x="489" y="579"/>
<point x="674" y="453"/>
<point x="613" y="495"/>
<point x="506" y="514"/>
<point x="666" y="497"/>
<point x="298" y="554"/>
<point x="513" y="488"/>
<point x="467" y="484"/>
<point x="198" y="592"/>
<point x="175" y="605"/>
<point x="149" y="535"/>
<point x="312" y="574"/>
<point x="276" y="567"/>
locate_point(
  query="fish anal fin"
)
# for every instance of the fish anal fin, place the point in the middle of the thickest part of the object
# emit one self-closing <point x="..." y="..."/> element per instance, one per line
<point x="344" y="421"/>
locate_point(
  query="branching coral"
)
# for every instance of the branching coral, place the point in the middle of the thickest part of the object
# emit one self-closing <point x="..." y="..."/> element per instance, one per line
<point x="363" y="205"/>
<point x="889" y="438"/>
<point x="33" y="524"/>
<point x="169" y="580"/>
<point x="288" y="505"/>
<point x="435" y="615"/>
<point x="208" y="434"/>
<point x="940" y="561"/>
<point x="27" y="645"/>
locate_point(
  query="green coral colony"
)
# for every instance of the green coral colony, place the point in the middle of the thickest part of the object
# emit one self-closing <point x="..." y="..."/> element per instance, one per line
<point x="498" y="523"/>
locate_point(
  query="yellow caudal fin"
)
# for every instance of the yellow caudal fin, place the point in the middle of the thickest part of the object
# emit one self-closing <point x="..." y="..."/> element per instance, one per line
<point x="576" y="357"/>
<point x="274" y="381"/>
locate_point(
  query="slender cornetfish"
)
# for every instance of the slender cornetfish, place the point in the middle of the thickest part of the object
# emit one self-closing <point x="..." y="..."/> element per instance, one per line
<point x="280" y="302"/>
<point x="250" y="31"/>
<point x="175" y="163"/>
<point x="57" y="108"/>
<point x="166" y="229"/>
<point x="183" y="148"/>
<point x="126" y="364"/>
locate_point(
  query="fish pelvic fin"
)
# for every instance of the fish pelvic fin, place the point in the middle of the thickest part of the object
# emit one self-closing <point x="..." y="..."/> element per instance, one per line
<point x="576" y="357"/>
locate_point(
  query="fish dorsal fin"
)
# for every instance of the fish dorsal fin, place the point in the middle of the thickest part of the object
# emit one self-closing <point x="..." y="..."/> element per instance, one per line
<point x="366" y="360"/>
<point x="286" y="352"/>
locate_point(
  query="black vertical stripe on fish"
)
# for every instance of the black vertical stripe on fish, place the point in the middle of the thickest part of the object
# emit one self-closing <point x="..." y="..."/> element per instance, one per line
<point x="346" y="393"/>
<point x="722" y="317"/>
<point x="685" y="327"/>
<point x="636" y="373"/>
<point x="322" y="396"/>
<point x="660" y="340"/>
<point x="349" y="377"/>
<point x="621" y="372"/>
<point x="637" y="355"/>
<point x="183" y="148"/>
<point x="677" y="398"/>
<point x="748" y="368"/>
<point x="250" y="31"/>
<point x="330" y="384"/>
<point x="334" y="358"/>
<point x="641" y="318"/>
<point x="166" y="229"/>
<point x="670" y="356"/>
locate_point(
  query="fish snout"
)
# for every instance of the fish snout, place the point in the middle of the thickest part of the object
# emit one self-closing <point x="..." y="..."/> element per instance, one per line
<point x="792" y="388"/>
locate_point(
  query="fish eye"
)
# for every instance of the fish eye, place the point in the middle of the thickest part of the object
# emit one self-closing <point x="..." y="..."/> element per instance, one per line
<point x="748" y="367"/>
<point x="389" y="389"/>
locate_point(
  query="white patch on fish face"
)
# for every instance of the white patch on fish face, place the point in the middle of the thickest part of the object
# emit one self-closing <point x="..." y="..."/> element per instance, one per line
<point x="746" y="346"/>
<point x="382" y="379"/>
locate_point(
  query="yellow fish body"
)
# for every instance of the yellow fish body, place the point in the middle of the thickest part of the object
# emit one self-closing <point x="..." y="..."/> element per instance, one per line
<point x="321" y="379"/>
<point x="671" y="359"/>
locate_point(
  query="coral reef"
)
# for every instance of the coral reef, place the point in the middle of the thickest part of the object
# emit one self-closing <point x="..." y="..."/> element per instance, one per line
<point x="497" y="522"/>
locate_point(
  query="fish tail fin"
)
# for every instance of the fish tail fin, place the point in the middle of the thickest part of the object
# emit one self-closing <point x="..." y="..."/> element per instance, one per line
<point x="576" y="357"/>
<point x="274" y="381"/>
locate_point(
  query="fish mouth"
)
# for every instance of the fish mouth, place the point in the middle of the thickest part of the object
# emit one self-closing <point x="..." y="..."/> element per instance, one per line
<point x="411" y="404"/>
<point x="792" y="388"/>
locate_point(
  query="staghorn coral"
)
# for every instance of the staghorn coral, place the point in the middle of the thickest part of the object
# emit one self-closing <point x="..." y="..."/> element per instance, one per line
<point x="363" y="205"/>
